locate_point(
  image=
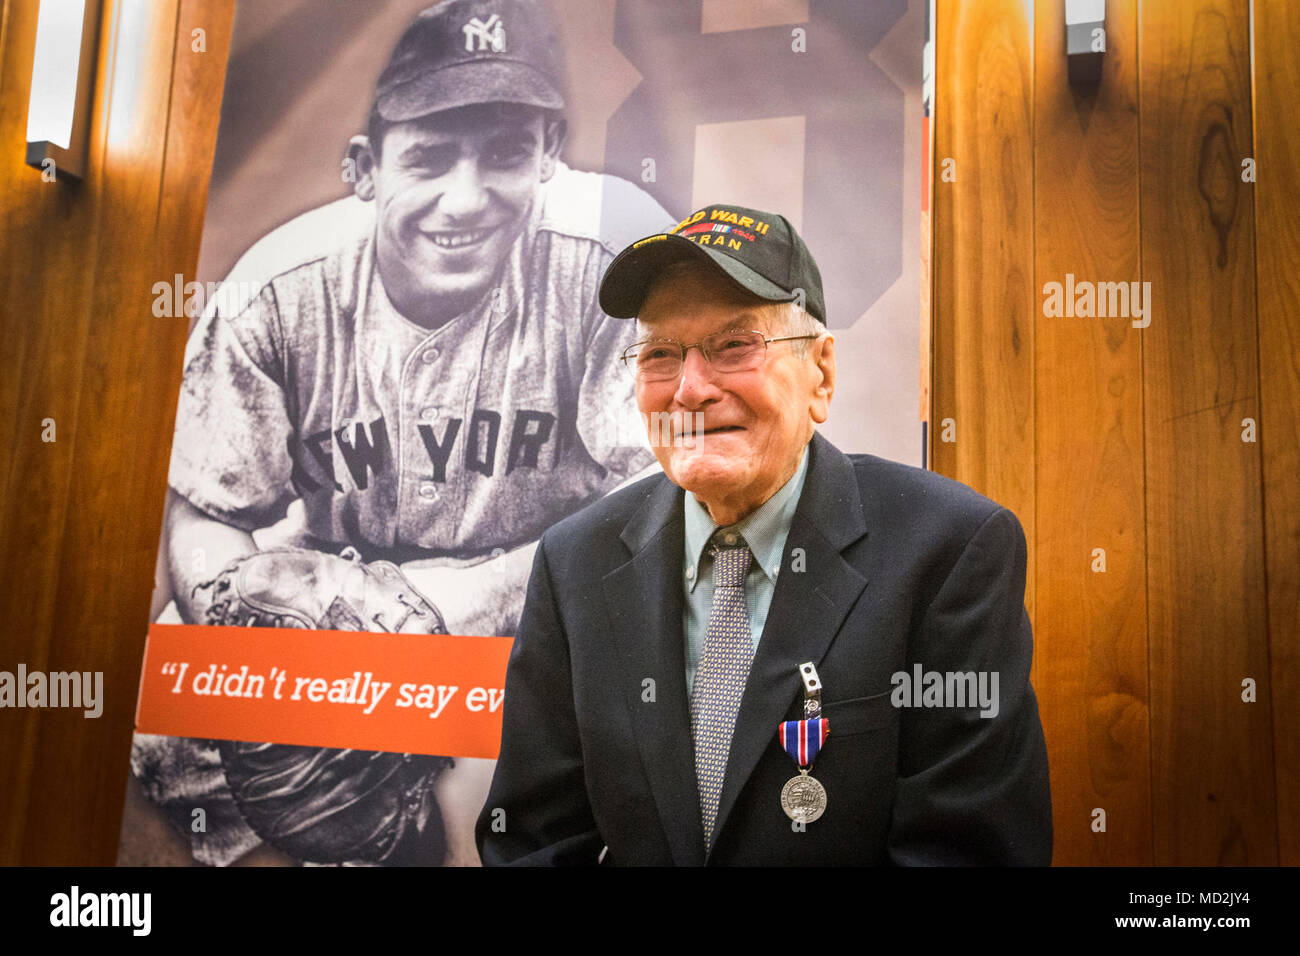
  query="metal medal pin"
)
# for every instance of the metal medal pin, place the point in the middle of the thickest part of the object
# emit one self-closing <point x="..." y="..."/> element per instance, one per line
<point x="803" y="798"/>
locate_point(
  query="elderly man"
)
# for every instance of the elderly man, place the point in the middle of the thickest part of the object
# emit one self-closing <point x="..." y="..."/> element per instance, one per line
<point x="773" y="653"/>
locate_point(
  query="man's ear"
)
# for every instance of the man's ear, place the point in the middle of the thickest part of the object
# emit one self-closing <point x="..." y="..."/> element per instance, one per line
<point x="554" y="133"/>
<point x="361" y="160"/>
<point x="823" y="358"/>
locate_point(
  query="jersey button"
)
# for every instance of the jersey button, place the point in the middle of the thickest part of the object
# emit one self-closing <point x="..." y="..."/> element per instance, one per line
<point x="429" y="356"/>
<point x="429" y="491"/>
<point x="428" y="414"/>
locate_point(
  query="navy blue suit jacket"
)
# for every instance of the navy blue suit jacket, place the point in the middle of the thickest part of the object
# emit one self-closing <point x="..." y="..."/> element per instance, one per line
<point x="885" y="567"/>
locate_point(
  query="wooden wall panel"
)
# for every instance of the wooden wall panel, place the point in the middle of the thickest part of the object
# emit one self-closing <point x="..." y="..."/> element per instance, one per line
<point x="1090" y="626"/>
<point x="1277" y="255"/>
<point x="1211" y="754"/>
<point x="45" y="282"/>
<point x="1135" y="435"/>
<point x="81" y="517"/>
<point x="983" y="325"/>
<point x="99" y="581"/>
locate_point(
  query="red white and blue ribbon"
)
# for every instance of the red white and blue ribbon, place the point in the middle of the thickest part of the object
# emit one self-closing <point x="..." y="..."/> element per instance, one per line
<point x="803" y="739"/>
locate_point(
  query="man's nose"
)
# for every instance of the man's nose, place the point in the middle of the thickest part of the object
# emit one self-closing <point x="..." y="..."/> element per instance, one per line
<point x="696" y="384"/>
<point x="465" y="194"/>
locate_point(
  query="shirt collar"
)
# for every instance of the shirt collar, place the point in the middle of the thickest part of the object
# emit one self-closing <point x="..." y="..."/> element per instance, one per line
<point x="764" y="529"/>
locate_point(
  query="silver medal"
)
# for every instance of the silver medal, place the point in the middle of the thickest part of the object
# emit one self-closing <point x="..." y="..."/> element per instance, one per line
<point x="803" y="798"/>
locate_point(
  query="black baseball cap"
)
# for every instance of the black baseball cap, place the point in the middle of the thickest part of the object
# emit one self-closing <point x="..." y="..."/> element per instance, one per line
<point x="463" y="52"/>
<point x="758" y="251"/>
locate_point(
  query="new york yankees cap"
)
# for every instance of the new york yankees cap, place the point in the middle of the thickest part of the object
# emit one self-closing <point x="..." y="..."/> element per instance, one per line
<point x="463" y="52"/>
<point x="760" y="252"/>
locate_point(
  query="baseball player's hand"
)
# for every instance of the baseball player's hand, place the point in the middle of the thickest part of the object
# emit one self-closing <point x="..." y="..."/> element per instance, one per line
<point x="317" y="804"/>
<point x="482" y="599"/>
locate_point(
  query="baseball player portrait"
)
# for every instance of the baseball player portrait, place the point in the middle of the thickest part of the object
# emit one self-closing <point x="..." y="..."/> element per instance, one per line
<point x="406" y="388"/>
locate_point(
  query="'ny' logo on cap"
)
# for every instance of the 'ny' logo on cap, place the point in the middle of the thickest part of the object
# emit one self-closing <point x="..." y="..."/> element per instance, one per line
<point x="490" y="34"/>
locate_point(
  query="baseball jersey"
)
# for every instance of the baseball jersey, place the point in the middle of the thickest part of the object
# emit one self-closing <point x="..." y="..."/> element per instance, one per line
<point x="402" y="441"/>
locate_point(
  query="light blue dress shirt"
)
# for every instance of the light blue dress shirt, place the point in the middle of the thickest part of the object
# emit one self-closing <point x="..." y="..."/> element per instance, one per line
<point x="764" y="530"/>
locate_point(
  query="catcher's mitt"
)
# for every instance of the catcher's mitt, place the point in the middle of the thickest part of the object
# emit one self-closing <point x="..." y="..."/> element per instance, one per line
<point x="317" y="804"/>
<point x="294" y="587"/>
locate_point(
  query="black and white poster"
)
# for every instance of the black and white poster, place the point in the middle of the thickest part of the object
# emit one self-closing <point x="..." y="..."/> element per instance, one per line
<point x="397" y="358"/>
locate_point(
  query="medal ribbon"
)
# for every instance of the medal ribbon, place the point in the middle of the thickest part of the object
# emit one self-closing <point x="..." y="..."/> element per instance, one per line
<point x="803" y="739"/>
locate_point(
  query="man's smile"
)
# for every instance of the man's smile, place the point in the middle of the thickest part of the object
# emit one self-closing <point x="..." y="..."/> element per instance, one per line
<point x="459" y="238"/>
<point x="715" y="430"/>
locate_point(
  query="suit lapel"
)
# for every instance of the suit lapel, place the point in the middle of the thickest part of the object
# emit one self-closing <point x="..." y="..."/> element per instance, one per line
<point x="644" y="598"/>
<point x="807" y="610"/>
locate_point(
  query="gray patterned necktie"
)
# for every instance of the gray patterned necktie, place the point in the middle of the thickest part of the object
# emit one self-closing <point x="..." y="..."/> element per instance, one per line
<point x="724" y="667"/>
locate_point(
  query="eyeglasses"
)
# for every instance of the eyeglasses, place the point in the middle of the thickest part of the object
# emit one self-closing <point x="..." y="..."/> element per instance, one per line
<point x="661" y="360"/>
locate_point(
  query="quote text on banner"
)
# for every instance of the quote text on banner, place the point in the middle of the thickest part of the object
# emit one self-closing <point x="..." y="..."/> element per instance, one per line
<point x="404" y="693"/>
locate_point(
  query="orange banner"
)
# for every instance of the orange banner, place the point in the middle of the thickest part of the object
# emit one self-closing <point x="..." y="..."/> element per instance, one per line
<point x="406" y="693"/>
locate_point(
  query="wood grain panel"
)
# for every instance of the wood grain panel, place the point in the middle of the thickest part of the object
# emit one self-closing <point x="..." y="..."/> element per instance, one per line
<point x="982" y="343"/>
<point x="199" y="78"/>
<point x="1090" y="626"/>
<point x="1277" y="253"/>
<point x="45" y="280"/>
<point x="81" y="517"/>
<point x="99" y="579"/>
<point x="1213" y="794"/>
